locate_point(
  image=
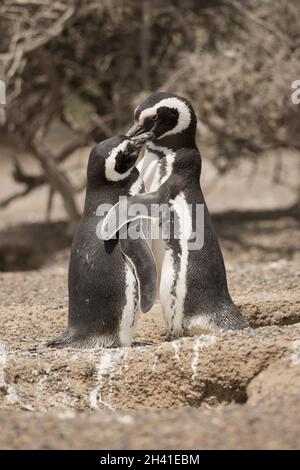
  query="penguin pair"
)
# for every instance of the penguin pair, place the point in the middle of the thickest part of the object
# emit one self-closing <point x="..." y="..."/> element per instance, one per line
<point x="109" y="281"/>
<point x="193" y="286"/>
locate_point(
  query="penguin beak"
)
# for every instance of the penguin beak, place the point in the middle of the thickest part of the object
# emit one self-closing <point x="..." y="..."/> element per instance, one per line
<point x="138" y="140"/>
<point x="135" y="130"/>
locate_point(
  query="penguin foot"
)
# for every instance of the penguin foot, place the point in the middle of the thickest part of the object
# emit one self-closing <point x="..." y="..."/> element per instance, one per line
<point x="68" y="340"/>
<point x="169" y="338"/>
<point x="172" y="336"/>
<point x="228" y="317"/>
<point x="138" y="344"/>
<point x="231" y="319"/>
<point x="61" y="342"/>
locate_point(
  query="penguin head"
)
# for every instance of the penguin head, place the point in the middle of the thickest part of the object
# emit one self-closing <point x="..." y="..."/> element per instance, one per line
<point x="113" y="159"/>
<point x="169" y="118"/>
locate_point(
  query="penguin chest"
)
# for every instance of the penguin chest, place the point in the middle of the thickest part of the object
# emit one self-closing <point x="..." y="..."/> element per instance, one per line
<point x="148" y="168"/>
<point x="173" y="286"/>
<point x="156" y="166"/>
<point x="131" y="305"/>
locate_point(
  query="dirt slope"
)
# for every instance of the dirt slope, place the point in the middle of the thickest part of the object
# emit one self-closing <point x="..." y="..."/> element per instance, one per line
<point x="231" y="390"/>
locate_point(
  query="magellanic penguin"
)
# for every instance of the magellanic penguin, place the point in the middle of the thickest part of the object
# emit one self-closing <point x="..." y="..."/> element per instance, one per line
<point x="193" y="286"/>
<point x="108" y="280"/>
<point x="173" y="122"/>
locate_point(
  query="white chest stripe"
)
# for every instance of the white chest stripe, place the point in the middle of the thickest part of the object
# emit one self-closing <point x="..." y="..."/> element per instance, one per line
<point x="130" y="311"/>
<point x="169" y="168"/>
<point x="148" y="168"/>
<point x="167" y="281"/>
<point x="173" y="299"/>
<point x="185" y="222"/>
<point x="158" y="148"/>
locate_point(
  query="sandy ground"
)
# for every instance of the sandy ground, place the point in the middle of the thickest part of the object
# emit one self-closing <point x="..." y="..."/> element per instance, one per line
<point x="231" y="390"/>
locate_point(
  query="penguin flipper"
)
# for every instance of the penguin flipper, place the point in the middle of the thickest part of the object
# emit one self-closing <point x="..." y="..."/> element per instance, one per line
<point x="139" y="254"/>
<point x="121" y="214"/>
<point x="120" y="219"/>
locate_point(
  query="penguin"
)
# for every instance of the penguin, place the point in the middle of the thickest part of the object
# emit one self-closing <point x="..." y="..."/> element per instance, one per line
<point x="109" y="281"/>
<point x="173" y="122"/>
<point x="193" y="288"/>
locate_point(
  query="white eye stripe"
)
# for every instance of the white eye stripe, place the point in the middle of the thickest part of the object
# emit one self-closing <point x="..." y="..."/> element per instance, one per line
<point x="110" y="163"/>
<point x="184" y="114"/>
<point x="145" y="114"/>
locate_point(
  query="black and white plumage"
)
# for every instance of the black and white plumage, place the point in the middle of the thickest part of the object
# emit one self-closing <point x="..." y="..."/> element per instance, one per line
<point x="193" y="287"/>
<point x="109" y="281"/>
<point x="172" y="121"/>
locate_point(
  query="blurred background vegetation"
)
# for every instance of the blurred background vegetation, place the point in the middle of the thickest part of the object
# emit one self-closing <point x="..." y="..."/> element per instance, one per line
<point x="85" y="65"/>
